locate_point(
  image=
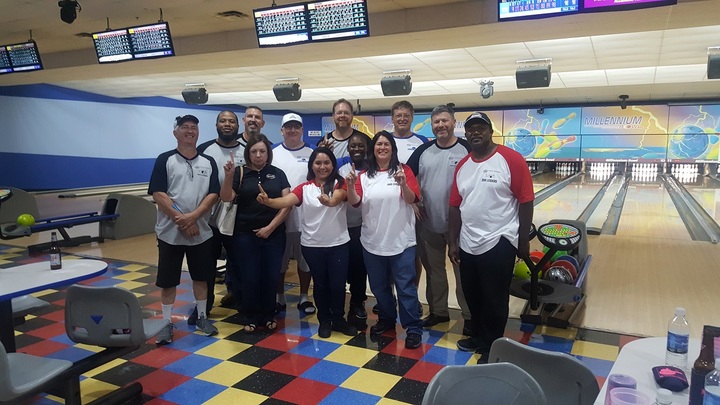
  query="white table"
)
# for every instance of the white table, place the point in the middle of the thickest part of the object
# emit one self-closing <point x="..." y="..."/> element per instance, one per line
<point x="637" y="359"/>
<point x="29" y="278"/>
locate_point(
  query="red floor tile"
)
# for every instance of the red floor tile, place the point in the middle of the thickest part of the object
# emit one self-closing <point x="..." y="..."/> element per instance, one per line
<point x="291" y="363"/>
<point x="43" y="348"/>
<point x="302" y="391"/>
<point x="161" y="381"/>
<point x="423" y="371"/>
<point x="160" y="357"/>
<point x="281" y="341"/>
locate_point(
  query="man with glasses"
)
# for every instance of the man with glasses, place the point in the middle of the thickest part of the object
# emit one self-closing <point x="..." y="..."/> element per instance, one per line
<point x="291" y="156"/>
<point x="402" y="114"/>
<point x="184" y="184"/>
<point x="491" y="211"/>
<point x="337" y="139"/>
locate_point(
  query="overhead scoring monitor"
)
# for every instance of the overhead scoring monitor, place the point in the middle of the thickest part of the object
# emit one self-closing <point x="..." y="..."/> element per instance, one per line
<point x="141" y="42"/>
<point x="281" y="25"/>
<point x="338" y="19"/>
<point x="23" y="57"/>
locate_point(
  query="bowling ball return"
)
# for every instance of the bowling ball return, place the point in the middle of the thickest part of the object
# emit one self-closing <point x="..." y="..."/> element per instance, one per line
<point x="551" y="302"/>
<point x="61" y="224"/>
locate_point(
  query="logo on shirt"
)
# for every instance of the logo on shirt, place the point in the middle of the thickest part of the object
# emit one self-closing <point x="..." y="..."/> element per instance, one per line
<point x="489" y="177"/>
<point x="270" y="176"/>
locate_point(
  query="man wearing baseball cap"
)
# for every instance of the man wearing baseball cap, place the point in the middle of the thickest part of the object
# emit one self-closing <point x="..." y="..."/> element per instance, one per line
<point x="184" y="184"/>
<point x="291" y="156"/>
<point x="491" y="210"/>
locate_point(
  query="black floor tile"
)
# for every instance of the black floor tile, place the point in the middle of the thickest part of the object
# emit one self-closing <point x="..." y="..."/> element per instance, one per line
<point x="390" y="363"/>
<point x="372" y="342"/>
<point x="256" y="356"/>
<point x="264" y="382"/>
<point x="596" y="336"/>
<point x="410" y="391"/>
<point x="124" y="373"/>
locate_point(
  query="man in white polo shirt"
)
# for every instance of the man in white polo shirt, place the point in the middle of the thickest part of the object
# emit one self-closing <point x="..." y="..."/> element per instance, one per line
<point x="491" y="210"/>
<point x="291" y="156"/>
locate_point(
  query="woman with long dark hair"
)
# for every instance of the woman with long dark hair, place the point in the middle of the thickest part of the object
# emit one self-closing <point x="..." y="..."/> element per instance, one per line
<point x="386" y="192"/>
<point x="324" y="239"/>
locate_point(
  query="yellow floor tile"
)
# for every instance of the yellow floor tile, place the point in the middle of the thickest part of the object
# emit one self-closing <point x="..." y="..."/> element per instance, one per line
<point x="104" y="367"/>
<point x="93" y="389"/>
<point x="130" y="276"/>
<point x="595" y="350"/>
<point x="371" y="382"/>
<point x="232" y="396"/>
<point x="227" y="373"/>
<point x="130" y="284"/>
<point x="388" y="401"/>
<point x="449" y="341"/>
<point x="226" y="329"/>
<point x="133" y="267"/>
<point x="568" y="333"/>
<point x="223" y="349"/>
<point x="354" y="356"/>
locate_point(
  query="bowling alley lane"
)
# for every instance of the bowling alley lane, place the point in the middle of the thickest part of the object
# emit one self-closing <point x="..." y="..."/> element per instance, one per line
<point x="706" y="192"/>
<point x="569" y="202"/>
<point x="649" y="212"/>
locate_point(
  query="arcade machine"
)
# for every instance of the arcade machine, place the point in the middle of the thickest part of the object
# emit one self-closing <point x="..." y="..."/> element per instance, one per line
<point x="555" y="289"/>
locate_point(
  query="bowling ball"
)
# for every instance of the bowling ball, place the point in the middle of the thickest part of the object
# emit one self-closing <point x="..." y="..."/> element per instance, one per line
<point x="572" y="260"/>
<point x="536" y="255"/>
<point x="26" y="219"/>
<point x="556" y="255"/>
<point x="521" y="270"/>
<point x="688" y="141"/>
<point x="521" y="140"/>
<point x="559" y="274"/>
<point x="567" y="265"/>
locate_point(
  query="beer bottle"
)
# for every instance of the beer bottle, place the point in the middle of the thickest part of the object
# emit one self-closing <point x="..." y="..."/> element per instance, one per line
<point x="55" y="256"/>
<point x="704" y="364"/>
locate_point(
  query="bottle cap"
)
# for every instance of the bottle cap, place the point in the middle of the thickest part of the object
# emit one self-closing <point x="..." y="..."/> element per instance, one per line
<point x="680" y="311"/>
<point x="664" y="396"/>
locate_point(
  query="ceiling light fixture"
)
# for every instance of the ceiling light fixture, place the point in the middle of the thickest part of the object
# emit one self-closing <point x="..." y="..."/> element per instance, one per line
<point x="287" y="89"/>
<point x="486" y="88"/>
<point x="195" y="93"/>
<point x="68" y="10"/>
<point x="533" y="73"/>
<point x="396" y="83"/>
<point x="623" y="100"/>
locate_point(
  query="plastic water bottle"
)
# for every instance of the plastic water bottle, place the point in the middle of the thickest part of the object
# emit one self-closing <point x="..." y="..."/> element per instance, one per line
<point x="663" y="397"/>
<point x="678" y="338"/>
<point x="712" y="386"/>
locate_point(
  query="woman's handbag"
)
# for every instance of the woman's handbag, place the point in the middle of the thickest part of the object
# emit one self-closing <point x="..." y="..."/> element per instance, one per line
<point x="224" y="215"/>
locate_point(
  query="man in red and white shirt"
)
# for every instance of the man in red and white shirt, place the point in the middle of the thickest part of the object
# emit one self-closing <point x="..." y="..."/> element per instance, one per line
<point x="491" y="210"/>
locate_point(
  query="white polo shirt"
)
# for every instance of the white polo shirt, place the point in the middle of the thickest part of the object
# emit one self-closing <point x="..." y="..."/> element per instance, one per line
<point x="321" y="226"/>
<point x="294" y="162"/>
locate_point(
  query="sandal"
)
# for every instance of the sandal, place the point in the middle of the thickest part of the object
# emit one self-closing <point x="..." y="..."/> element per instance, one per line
<point x="271" y="325"/>
<point x="250" y="328"/>
<point x="306" y="307"/>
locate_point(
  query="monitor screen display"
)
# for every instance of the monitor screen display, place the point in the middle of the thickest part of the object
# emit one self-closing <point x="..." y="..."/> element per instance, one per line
<point x="142" y="42"/>
<point x="530" y="9"/>
<point x="338" y="19"/>
<point x="22" y="57"/>
<point x="616" y="5"/>
<point x="281" y="25"/>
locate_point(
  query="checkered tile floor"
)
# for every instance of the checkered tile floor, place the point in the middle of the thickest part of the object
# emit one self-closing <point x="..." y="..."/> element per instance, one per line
<point x="290" y="366"/>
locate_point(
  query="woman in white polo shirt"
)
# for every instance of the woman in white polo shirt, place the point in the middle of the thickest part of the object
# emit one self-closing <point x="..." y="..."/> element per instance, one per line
<point x="386" y="192"/>
<point x="324" y="236"/>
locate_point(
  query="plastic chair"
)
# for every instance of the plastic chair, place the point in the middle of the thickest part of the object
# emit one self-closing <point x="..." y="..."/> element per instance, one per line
<point x="483" y="384"/>
<point x="22" y="373"/>
<point x="563" y="378"/>
<point x="107" y="317"/>
<point x="25" y="304"/>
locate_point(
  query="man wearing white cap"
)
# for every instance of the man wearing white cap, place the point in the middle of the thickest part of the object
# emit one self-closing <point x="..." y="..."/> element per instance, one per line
<point x="491" y="210"/>
<point x="291" y="156"/>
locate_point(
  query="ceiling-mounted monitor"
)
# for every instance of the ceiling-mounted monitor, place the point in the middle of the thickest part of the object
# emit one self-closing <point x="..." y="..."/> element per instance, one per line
<point x="281" y="25"/>
<point x="509" y="10"/>
<point x="338" y="19"/>
<point x="619" y="5"/>
<point x="141" y="42"/>
<point x="23" y="57"/>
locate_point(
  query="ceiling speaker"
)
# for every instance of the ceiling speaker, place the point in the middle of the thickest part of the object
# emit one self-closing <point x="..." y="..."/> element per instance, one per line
<point x="287" y="91"/>
<point x="530" y="77"/>
<point x="713" y="67"/>
<point x="396" y="85"/>
<point x="195" y="96"/>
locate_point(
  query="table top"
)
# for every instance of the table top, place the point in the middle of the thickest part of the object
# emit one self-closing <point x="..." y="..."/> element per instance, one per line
<point x="637" y="359"/>
<point x="28" y="278"/>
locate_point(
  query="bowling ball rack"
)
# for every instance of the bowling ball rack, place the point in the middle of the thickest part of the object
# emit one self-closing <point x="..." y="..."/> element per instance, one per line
<point x="551" y="302"/>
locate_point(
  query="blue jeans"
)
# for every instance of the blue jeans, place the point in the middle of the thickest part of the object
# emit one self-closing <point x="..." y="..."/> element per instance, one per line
<point x="383" y="271"/>
<point x="261" y="260"/>
<point x="329" y="267"/>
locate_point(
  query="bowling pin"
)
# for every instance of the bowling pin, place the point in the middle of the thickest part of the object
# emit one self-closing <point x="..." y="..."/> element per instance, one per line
<point x="562" y="121"/>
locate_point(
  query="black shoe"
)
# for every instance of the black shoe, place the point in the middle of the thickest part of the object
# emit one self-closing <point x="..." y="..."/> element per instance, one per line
<point x="420" y="310"/>
<point x="344" y="327"/>
<point x="228" y="301"/>
<point x="484" y="357"/>
<point x="381" y="326"/>
<point x="413" y="340"/>
<point x="376" y="309"/>
<point x="433" y="320"/>
<point x="358" y="310"/>
<point x="192" y="320"/>
<point x="325" y="329"/>
<point x="467" y="327"/>
<point x="280" y="308"/>
<point x="468" y="345"/>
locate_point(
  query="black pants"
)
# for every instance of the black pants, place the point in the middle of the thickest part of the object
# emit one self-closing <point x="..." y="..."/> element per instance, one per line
<point x="357" y="275"/>
<point x="486" y="283"/>
<point x="232" y="272"/>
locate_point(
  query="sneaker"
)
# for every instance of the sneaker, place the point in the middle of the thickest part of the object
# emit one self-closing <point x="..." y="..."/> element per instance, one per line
<point x="376" y="309"/>
<point x="468" y="345"/>
<point x="204" y="325"/>
<point x="344" y="327"/>
<point x="192" y="320"/>
<point x="325" y="329"/>
<point x="467" y="327"/>
<point x="165" y="335"/>
<point x="358" y="310"/>
<point x="433" y="320"/>
<point x="484" y="357"/>
<point x="413" y="340"/>
<point x="381" y="326"/>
